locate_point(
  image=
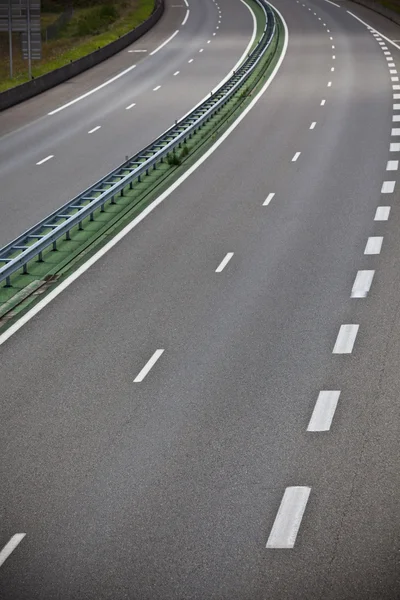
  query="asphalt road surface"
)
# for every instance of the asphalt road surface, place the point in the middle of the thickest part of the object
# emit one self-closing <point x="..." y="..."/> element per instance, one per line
<point x="211" y="410"/>
<point x="91" y="137"/>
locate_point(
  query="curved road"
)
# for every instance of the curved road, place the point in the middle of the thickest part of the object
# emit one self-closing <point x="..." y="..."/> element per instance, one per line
<point x="257" y="455"/>
<point x="94" y="135"/>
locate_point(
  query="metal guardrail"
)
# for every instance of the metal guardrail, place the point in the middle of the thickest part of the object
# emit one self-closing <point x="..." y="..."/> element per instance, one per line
<point x="17" y="254"/>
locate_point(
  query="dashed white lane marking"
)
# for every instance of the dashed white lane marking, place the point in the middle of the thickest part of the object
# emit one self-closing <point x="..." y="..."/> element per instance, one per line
<point x="190" y="61"/>
<point x="334" y="4"/>
<point x="394" y="147"/>
<point x="389" y="58"/>
<point x="333" y="47"/>
<point x="382" y="213"/>
<point x="313" y="124"/>
<point x="136" y="51"/>
<point x="171" y="37"/>
<point x="374" y="245"/>
<point x="395" y="132"/>
<point x="392" y="165"/>
<point x="394" y="78"/>
<point x="268" y="199"/>
<point x="332" y="68"/>
<point x="345" y="340"/>
<point x="95" y="129"/>
<point x="10" y="546"/>
<point x="186" y="2"/>
<point x="186" y="17"/>
<point x="362" y="284"/>
<point x="41" y="162"/>
<point x="201" y="50"/>
<point x="331" y="38"/>
<point x="150" y="363"/>
<point x="396" y="96"/>
<point x="296" y="156"/>
<point x="387" y="53"/>
<point x="329" y="84"/>
<point x="388" y="187"/>
<point x="396" y="118"/>
<point x="288" y="519"/>
<point x="156" y="88"/>
<point x="323" y="102"/>
<point x="176" y="73"/>
<point x="321" y="419"/>
<point x="90" y="92"/>
<point x="130" y="106"/>
<point x="224" y="262"/>
<point x="393" y="71"/>
<point x="214" y="33"/>
<point x="391" y="65"/>
<point x="333" y="57"/>
<point x="395" y="86"/>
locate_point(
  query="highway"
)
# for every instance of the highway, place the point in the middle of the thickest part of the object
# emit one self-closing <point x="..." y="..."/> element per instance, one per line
<point x="76" y="144"/>
<point x="210" y="411"/>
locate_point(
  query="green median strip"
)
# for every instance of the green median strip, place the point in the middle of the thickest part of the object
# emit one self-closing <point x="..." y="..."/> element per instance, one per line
<point x="96" y="231"/>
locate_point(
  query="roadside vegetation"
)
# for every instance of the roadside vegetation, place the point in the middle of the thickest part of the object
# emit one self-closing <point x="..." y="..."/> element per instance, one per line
<point x="93" y="24"/>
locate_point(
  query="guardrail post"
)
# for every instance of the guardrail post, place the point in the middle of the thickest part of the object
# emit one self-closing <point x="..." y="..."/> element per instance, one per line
<point x="112" y="200"/>
<point x="25" y="269"/>
<point x="8" y="282"/>
<point x="54" y="245"/>
<point x="40" y="257"/>
<point x="80" y="226"/>
<point x="67" y="236"/>
<point x="92" y="216"/>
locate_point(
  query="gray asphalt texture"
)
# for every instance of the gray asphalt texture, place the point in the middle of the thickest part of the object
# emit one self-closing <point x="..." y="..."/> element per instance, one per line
<point x="30" y="192"/>
<point x="168" y="489"/>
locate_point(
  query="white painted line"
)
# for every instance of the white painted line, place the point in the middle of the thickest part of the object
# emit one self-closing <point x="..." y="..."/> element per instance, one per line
<point x="387" y="53"/>
<point x="333" y="57"/>
<point x="378" y="39"/>
<point x="329" y="84"/>
<point x="362" y="284"/>
<point x="176" y="73"/>
<point x="156" y="88"/>
<point x="373" y="29"/>
<point x="150" y="363"/>
<point x="382" y="213"/>
<point x="190" y="61"/>
<point x="137" y="51"/>
<point x="395" y="132"/>
<point x="332" y="68"/>
<point x="324" y="409"/>
<point x="153" y="205"/>
<point x="323" y="102"/>
<point x="208" y="41"/>
<point x="328" y="31"/>
<point x="333" y="47"/>
<point x="201" y="49"/>
<point x="395" y="86"/>
<point x="10" y="546"/>
<point x="331" y="38"/>
<point x="296" y="156"/>
<point x="374" y="245"/>
<point x="394" y="147"/>
<point x="319" y="19"/>
<point x="394" y="78"/>
<point x="388" y="187"/>
<point x="186" y="18"/>
<point x="171" y="37"/>
<point x="391" y="65"/>
<point x="383" y="45"/>
<point x="41" y="162"/>
<point x="225" y="261"/>
<point x="393" y="71"/>
<point x="214" y="33"/>
<point x="268" y="199"/>
<point x="396" y="118"/>
<point x="90" y="92"/>
<point x="389" y="58"/>
<point x="392" y="165"/>
<point x="186" y="2"/>
<point x="288" y="519"/>
<point x="334" y="4"/>
<point x="95" y="129"/>
<point x="396" y="96"/>
<point x="130" y="106"/>
<point x="345" y="340"/>
<point x="313" y="124"/>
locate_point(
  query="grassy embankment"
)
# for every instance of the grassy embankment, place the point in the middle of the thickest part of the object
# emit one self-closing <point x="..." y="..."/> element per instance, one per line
<point x="94" y="24"/>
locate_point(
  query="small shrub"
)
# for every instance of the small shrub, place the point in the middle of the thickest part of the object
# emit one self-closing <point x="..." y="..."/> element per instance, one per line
<point x="174" y="160"/>
<point x="185" y="151"/>
<point x="96" y="20"/>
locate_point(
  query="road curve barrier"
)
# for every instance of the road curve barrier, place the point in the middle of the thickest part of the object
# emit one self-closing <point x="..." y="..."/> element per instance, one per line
<point x="15" y="256"/>
<point x="45" y="82"/>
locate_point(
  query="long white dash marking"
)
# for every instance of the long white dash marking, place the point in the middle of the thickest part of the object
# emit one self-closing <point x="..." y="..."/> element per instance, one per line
<point x="138" y="51"/>
<point x="176" y="73"/>
<point x="95" y="129"/>
<point x="186" y="18"/>
<point x="382" y="213"/>
<point x="224" y="262"/>
<point x="171" y="37"/>
<point x="373" y="245"/>
<point x="156" y="88"/>
<point x="90" y="92"/>
<point x="130" y="106"/>
<point x="268" y="199"/>
<point x="10" y="546"/>
<point x="324" y="409"/>
<point x="150" y="363"/>
<point x="190" y="60"/>
<point x="334" y="4"/>
<point x="296" y="156"/>
<point x="313" y="124"/>
<point x="388" y="187"/>
<point x="345" y="339"/>
<point x="288" y="519"/>
<point x="362" y="284"/>
<point x="41" y="162"/>
<point x="323" y="102"/>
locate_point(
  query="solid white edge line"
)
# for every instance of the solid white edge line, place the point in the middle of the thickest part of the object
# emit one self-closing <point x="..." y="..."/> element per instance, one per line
<point x="382" y="213"/>
<point x="362" y="284"/>
<point x="150" y="363"/>
<point x="345" y="339"/>
<point x="100" y="253"/>
<point x="90" y="92"/>
<point x="10" y="546"/>
<point x="324" y="410"/>
<point x="373" y="29"/>
<point x="186" y="18"/>
<point x="288" y="519"/>
<point x="186" y="2"/>
<point x="41" y="162"/>
<point x="224" y="262"/>
<point x="268" y="199"/>
<point x="171" y="37"/>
